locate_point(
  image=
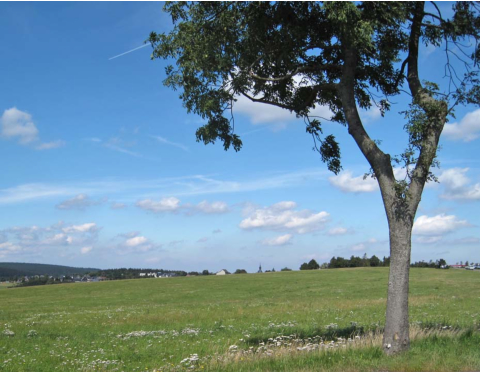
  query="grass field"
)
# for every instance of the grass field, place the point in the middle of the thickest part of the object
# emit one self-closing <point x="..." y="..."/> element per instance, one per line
<point x="294" y="321"/>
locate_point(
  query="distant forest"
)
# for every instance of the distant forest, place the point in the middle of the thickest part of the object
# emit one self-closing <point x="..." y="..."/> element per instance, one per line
<point x="11" y="270"/>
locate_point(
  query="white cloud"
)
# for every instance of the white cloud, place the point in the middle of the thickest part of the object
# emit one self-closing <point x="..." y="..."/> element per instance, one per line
<point x="117" y="206"/>
<point x="168" y="204"/>
<point x="437" y="225"/>
<point x="82" y="228"/>
<point x="136" y="241"/>
<point x="43" y="243"/>
<point x="18" y="124"/>
<point x="428" y="239"/>
<point x="136" y="245"/>
<point x="372" y="245"/>
<point x="50" y="145"/>
<point x="57" y="239"/>
<point x="86" y="249"/>
<point x="359" y="247"/>
<point x="456" y="185"/>
<point x="278" y="241"/>
<point x="347" y="183"/>
<point x="276" y="117"/>
<point x="338" y="231"/>
<point x="172" y="204"/>
<point x="79" y="202"/>
<point x="281" y="216"/>
<point x="8" y="247"/>
<point x="370" y="115"/>
<point x="218" y="207"/>
<point x="467" y="130"/>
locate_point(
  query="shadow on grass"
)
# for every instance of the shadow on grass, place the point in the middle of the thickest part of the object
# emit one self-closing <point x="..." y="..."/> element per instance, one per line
<point x="353" y="331"/>
<point x="323" y="334"/>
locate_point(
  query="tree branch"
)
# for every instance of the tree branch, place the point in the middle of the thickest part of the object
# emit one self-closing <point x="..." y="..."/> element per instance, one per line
<point x="379" y="161"/>
<point x="299" y="70"/>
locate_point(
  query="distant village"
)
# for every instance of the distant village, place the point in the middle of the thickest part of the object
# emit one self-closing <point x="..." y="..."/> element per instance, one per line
<point x="136" y="273"/>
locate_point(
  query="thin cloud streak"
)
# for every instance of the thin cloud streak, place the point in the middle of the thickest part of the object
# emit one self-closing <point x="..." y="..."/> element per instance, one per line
<point x="130" y="51"/>
<point x="163" y="140"/>
<point x="132" y="190"/>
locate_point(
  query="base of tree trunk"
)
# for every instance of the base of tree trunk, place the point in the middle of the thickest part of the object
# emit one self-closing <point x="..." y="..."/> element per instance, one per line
<point x="395" y="345"/>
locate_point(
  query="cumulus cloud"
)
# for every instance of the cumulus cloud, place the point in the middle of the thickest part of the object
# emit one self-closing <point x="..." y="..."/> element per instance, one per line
<point x="337" y="231"/>
<point x="217" y="207"/>
<point x="83" y="228"/>
<point x="468" y="129"/>
<point x="50" y="145"/>
<point x="135" y="241"/>
<point x="350" y="184"/>
<point x="172" y="204"/>
<point x="136" y="244"/>
<point x="79" y="202"/>
<point x="428" y="239"/>
<point x="35" y="242"/>
<point x="437" y="225"/>
<point x="457" y="185"/>
<point x="168" y="204"/>
<point x="117" y="206"/>
<point x="282" y="216"/>
<point x="18" y="125"/>
<point x="86" y="249"/>
<point x="359" y="247"/>
<point x="278" y="241"/>
<point x="274" y="116"/>
<point x="370" y="245"/>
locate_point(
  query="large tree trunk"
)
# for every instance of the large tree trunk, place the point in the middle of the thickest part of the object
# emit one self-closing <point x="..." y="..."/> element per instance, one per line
<point x="396" y="335"/>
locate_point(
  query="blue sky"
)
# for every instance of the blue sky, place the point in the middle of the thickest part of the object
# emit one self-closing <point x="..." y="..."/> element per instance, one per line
<point x="100" y="166"/>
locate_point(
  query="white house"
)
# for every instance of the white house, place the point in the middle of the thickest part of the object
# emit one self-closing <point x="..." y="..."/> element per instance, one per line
<point x="222" y="272"/>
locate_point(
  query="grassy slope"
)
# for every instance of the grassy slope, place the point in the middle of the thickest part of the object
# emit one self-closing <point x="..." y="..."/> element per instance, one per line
<point x="78" y="325"/>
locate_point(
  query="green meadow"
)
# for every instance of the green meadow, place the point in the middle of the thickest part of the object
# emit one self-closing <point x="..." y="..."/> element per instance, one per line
<point x="284" y="321"/>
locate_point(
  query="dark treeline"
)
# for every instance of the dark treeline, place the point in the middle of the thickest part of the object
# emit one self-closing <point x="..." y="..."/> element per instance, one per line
<point x="356" y="261"/>
<point x="440" y="263"/>
<point x="374" y="261"/>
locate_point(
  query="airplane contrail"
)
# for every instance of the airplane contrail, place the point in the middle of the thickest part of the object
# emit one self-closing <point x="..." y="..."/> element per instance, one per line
<point x="132" y="50"/>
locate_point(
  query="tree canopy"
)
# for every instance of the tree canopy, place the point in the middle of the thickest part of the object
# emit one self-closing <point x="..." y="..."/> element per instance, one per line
<point x="293" y="55"/>
<point x="342" y="55"/>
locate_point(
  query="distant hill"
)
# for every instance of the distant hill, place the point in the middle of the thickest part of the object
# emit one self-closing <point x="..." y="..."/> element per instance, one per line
<point x="8" y="270"/>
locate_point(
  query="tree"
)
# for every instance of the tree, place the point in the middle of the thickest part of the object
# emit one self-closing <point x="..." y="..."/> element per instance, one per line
<point x="441" y="262"/>
<point x="374" y="261"/>
<point x="205" y="272"/>
<point x="312" y="264"/>
<point x="240" y="271"/>
<point x="304" y="267"/>
<point x="299" y="55"/>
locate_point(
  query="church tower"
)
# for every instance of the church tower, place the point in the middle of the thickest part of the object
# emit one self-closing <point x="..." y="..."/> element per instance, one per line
<point x="260" y="268"/>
